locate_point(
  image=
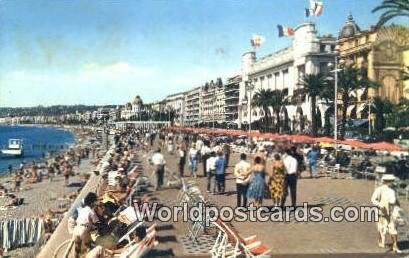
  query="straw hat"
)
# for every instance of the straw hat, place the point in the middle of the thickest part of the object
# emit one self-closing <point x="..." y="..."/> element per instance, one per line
<point x="388" y="177"/>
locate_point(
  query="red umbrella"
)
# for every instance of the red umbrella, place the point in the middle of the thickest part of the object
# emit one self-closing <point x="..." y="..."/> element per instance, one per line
<point x="325" y="139"/>
<point x="356" y="144"/>
<point x="385" y="146"/>
<point x="302" y="138"/>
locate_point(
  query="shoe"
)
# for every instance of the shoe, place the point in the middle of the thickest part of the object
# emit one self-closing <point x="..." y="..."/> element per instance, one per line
<point x="397" y="251"/>
<point x="381" y="245"/>
<point x="207" y="191"/>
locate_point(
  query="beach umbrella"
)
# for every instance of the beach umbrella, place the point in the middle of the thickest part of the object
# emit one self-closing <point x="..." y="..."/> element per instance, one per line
<point x="325" y="140"/>
<point x="302" y="138"/>
<point x="356" y="144"/>
<point x="385" y="146"/>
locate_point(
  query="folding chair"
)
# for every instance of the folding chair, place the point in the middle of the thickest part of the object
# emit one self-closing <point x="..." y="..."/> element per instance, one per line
<point x="132" y="228"/>
<point x="136" y="250"/>
<point x="335" y="171"/>
<point x="249" y="246"/>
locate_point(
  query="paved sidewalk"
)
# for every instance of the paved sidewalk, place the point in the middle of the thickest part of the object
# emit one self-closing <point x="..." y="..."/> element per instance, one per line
<point x="357" y="239"/>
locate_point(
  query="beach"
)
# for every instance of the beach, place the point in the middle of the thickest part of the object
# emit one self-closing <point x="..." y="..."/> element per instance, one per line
<point x="45" y="195"/>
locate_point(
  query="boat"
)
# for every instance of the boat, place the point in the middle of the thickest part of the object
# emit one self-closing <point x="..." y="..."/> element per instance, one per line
<point x="15" y="148"/>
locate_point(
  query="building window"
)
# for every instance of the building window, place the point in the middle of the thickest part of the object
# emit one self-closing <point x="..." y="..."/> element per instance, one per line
<point x="276" y="76"/>
<point x="285" y="78"/>
<point x="324" y="67"/>
<point x="322" y="48"/>
<point x="301" y="71"/>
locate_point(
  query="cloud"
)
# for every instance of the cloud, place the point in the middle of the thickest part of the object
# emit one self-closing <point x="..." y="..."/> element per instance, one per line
<point x="92" y="83"/>
<point x="119" y="70"/>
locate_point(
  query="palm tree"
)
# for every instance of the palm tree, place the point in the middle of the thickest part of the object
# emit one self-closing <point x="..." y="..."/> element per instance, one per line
<point x="278" y="101"/>
<point x="351" y="79"/>
<point x="314" y="86"/>
<point x="392" y="9"/>
<point x="381" y="107"/>
<point x="263" y="99"/>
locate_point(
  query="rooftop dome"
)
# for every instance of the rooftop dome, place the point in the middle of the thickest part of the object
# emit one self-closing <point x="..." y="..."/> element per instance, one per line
<point x="137" y="101"/>
<point x="350" y="28"/>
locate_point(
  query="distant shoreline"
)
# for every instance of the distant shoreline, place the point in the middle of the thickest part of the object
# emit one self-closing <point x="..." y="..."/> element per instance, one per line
<point x="69" y="129"/>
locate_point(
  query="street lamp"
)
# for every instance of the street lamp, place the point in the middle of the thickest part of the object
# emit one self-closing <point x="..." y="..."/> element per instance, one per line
<point x="336" y="64"/>
<point x="214" y="104"/>
<point x="369" y="116"/>
<point x="249" y="89"/>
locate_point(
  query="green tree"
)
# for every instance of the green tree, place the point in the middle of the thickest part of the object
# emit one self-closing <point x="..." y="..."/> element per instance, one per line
<point x="381" y="108"/>
<point x="351" y="79"/>
<point x="278" y="101"/>
<point x="315" y="86"/>
<point x="263" y="99"/>
<point x="392" y="9"/>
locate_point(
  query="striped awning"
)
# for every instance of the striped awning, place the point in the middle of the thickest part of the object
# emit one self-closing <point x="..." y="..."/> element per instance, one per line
<point x="361" y="107"/>
<point x="349" y="109"/>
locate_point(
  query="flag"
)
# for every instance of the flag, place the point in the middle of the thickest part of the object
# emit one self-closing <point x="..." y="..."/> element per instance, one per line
<point x="284" y="31"/>
<point x="257" y="41"/>
<point x="316" y="8"/>
<point x="307" y="12"/>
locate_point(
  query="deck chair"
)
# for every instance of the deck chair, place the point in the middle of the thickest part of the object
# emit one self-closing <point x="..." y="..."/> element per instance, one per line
<point x="136" y="250"/>
<point x="131" y="229"/>
<point x="249" y="246"/>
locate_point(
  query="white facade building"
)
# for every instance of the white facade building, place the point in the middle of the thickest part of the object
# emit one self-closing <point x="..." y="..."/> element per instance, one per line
<point x="193" y="104"/>
<point x="282" y="70"/>
<point x="132" y="110"/>
<point x="176" y="103"/>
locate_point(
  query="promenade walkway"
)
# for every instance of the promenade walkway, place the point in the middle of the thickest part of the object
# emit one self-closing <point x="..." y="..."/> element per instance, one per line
<point x="356" y="239"/>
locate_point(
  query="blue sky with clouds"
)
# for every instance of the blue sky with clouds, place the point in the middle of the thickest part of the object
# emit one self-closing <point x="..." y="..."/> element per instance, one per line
<point x="107" y="51"/>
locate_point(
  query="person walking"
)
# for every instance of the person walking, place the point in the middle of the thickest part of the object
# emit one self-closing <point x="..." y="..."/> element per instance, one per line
<point x="276" y="180"/>
<point x="312" y="161"/>
<point x="386" y="199"/>
<point x="290" y="180"/>
<point x="226" y="150"/>
<point x="182" y="160"/>
<point x="159" y="162"/>
<point x="205" y="151"/>
<point x="193" y="155"/>
<point x="257" y="186"/>
<point x="210" y="167"/>
<point x="296" y="153"/>
<point x="242" y="181"/>
<point x="220" y="172"/>
<point x="170" y="145"/>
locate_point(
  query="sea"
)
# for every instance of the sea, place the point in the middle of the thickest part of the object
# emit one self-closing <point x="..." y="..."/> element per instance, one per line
<point x="38" y="143"/>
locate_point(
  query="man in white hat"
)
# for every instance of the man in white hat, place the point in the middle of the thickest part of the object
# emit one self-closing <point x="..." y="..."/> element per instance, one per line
<point x="386" y="198"/>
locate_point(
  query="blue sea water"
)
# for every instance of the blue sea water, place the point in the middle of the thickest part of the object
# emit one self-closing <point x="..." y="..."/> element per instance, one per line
<point x="37" y="142"/>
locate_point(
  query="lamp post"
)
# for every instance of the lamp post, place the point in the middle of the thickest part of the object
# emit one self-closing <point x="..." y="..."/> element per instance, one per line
<point x="214" y="105"/>
<point x="369" y="117"/>
<point x="249" y="89"/>
<point x="335" y="71"/>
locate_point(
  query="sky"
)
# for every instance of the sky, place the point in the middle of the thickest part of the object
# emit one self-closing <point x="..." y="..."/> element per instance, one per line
<point x="108" y="51"/>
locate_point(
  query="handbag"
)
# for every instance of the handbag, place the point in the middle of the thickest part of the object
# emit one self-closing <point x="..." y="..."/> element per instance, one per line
<point x="399" y="216"/>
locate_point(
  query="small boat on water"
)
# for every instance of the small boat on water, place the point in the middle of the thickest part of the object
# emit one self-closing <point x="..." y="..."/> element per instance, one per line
<point x="15" y="148"/>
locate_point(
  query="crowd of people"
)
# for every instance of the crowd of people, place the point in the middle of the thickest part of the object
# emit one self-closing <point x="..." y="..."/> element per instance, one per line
<point x="105" y="215"/>
<point x="62" y="164"/>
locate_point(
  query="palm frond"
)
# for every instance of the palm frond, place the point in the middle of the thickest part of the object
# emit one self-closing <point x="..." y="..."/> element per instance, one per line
<point x="392" y="9"/>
